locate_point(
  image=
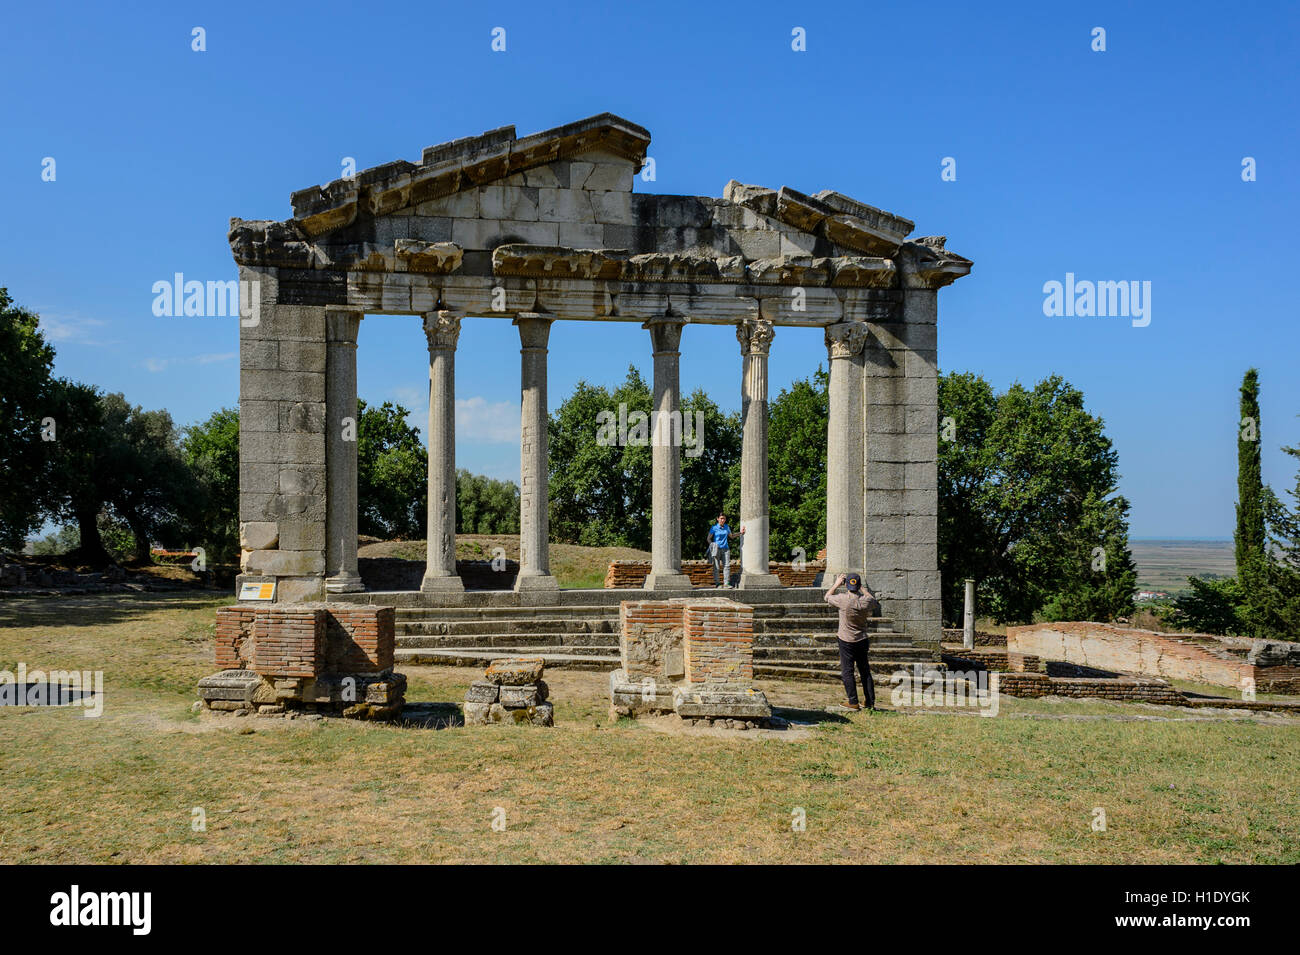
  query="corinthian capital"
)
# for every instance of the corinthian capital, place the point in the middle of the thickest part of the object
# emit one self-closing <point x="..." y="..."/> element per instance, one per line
<point x="755" y="336"/>
<point x="846" y="339"/>
<point x="442" y="329"/>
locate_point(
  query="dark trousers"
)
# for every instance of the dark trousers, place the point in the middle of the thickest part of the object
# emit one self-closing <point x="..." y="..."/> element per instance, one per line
<point x="851" y="653"/>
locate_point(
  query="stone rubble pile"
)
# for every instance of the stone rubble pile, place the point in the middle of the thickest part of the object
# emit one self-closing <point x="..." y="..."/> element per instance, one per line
<point x="512" y="691"/>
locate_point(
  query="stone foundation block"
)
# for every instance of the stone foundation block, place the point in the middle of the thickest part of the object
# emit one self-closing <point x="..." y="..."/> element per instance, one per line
<point x="529" y="694"/>
<point x="515" y="671"/>
<point x="721" y="702"/>
<point x="482" y="691"/>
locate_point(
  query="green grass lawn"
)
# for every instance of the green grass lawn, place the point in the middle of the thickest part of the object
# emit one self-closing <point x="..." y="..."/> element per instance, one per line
<point x="1176" y="785"/>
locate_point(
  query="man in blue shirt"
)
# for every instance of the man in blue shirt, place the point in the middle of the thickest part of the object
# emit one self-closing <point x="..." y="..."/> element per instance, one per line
<point x="720" y="550"/>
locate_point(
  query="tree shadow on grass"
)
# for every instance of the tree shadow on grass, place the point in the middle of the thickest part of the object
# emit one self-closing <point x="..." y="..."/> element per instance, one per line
<point x="430" y="716"/>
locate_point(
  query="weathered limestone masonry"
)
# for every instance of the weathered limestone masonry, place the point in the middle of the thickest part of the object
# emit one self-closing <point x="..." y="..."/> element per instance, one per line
<point x="305" y="657"/>
<point x="691" y="656"/>
<point x="512" y="692"/>
<point x="547" y="228"/>
<point x="1269" y="666"/>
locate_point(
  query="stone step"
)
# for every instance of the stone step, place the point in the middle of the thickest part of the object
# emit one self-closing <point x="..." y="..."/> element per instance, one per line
<point x="433" y="641"/>
<point x="905" y="654"/>
<point x="889" y="638"/>
<point x="560" y="658"/>
<point x="880" y="673"/>
<point x="595" y="597"/>
<point x="467" y="627"/>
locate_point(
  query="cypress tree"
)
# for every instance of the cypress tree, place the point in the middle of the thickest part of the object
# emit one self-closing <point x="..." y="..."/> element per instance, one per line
<point x="1249" y="534"/>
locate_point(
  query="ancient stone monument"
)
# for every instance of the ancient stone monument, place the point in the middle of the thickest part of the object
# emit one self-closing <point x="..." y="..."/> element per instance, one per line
<point x="275" y="659"/>
<point x="512" y="691"/>
<point x="547" y="228"/>
<point x="689" y="656"/>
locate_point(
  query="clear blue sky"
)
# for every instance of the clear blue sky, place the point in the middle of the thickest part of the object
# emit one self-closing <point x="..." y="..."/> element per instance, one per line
<point x="1122" y="165"/>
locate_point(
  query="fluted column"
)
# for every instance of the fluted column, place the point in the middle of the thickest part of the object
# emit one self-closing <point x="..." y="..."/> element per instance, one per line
<point x="442" y="328"/>
<point x="844" y="478"/>
<point x="534" y="471"/>
<point x="755" y="338"/>
<point x="341" y="451"/>
<point x="666" y="488"/>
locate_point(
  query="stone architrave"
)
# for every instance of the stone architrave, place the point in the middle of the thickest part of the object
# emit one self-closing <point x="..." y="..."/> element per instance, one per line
<point x="844" y="479"/>
<point x="666" y="460"/>
<point x="755" y="337"/>
<point x="341" y="329"/>
<point x="442" y="328"/>
<point x="534" y="523"/>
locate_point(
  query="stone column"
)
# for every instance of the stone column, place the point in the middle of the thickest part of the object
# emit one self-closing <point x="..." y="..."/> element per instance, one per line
<point x="442" y="328"/>
<point x="755" y="338"/>
<point x="341" y="451"/>
<point x="844" y="465"/>
<point x="666" y="492"/>
<point x="534" y="473"/>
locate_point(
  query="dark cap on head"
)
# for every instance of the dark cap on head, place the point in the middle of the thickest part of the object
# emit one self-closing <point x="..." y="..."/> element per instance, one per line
<point x="854" y="581"/>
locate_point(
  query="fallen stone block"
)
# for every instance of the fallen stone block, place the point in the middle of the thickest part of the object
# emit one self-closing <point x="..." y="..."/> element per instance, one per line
<point x="530" y="694"/>
<point x="239" y="685"/>
<point x="478" y="714"/>
<point x="721" y="701"/>
<point x="515" y="671"/>
<point x="482" y="691"/>
<point x="647" y="696"/>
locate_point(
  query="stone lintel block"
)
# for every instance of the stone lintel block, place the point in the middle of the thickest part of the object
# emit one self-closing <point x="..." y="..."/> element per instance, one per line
<point x="633" y="304"/>
<point x="718" y="309"/>
<point x="782" y="304"/>
<point x="285" y="563"/>
<point x="565" y="298"/>
<point x="259" y="535"/>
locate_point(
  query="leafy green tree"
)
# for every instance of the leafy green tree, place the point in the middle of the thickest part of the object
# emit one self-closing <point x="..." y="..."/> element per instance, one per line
<point x="1249" y="534"/>
<point x="797" y="467"/>
<point x="600" y="488"/>
<point x="211" y="452"/>
<point x="1028" y="505"/>
<point x="114" y="457"/>
<point x="1270" y="590"/>
<point x="711" y="477"/>
<point x="485" y="505"/>
<point x="1209" y="606"/>
<point x="392" y="474"/>
<point x="25" y="399"/>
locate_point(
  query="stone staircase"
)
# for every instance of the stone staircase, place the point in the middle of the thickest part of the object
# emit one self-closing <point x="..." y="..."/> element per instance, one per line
<point x="794" y="632"/>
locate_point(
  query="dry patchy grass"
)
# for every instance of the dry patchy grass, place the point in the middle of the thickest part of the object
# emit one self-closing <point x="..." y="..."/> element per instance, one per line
<point x="1177" y="786"/>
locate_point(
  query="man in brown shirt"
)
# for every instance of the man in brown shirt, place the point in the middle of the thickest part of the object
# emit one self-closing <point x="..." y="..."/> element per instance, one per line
<point x="856" y="607"/>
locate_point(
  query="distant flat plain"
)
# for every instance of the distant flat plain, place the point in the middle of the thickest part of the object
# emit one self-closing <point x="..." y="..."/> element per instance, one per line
<point x="1166" y="564"/>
